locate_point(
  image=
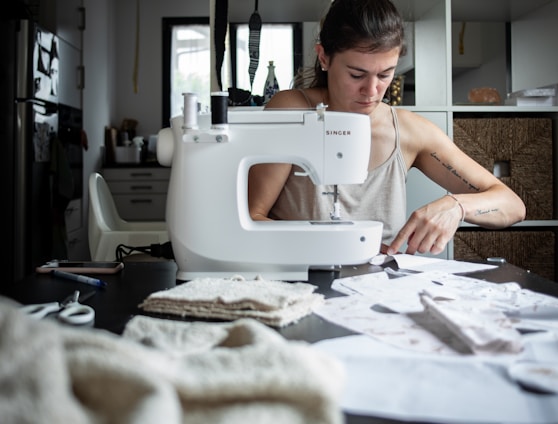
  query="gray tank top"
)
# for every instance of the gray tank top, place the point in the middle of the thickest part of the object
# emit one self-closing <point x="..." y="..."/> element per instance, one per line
<point x="382" y="197"/>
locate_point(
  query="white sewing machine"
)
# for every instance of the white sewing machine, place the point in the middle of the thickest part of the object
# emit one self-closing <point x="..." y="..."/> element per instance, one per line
<point x="211" y="232"/>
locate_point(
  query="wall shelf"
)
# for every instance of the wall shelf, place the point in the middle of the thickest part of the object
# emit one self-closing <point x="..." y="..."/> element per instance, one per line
<point x="516" y="37"/>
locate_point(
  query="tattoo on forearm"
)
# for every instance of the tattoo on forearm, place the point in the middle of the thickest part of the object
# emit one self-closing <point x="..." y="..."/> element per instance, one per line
<point x="454" y="172"/>
<point x="485" y="211"/>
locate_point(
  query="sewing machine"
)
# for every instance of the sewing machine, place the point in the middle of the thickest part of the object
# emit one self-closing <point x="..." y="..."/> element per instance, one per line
<point x="211" y="231"/>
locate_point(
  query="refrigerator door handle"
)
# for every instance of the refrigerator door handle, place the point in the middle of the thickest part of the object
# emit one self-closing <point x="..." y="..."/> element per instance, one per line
<point x="49" y="108"/>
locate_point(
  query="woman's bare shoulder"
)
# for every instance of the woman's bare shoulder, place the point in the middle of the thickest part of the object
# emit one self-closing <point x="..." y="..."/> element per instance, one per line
<point x="419" y="134"/>
<point x="417" y="126"/>
<point x="292" y="99"/>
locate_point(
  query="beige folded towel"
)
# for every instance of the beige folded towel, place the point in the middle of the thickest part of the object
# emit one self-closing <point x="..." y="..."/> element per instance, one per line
<point x="275" y="303"/>
<point x="162" y="371"/>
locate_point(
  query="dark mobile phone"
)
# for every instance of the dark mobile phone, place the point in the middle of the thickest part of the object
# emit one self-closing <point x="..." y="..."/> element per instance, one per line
<point x="82" y="267"/>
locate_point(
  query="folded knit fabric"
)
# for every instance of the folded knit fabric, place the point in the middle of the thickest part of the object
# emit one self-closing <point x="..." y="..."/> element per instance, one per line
<point x="162" y="371"/>
<point x="275" y="303"/>
<point x="243" y="371"/>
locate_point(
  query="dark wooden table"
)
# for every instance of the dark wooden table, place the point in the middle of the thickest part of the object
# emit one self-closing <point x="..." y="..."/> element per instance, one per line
<point x="118" y="303"/>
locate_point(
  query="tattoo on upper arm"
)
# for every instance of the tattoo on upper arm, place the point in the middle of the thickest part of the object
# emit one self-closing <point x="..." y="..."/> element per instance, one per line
<point x="454" y="172"/>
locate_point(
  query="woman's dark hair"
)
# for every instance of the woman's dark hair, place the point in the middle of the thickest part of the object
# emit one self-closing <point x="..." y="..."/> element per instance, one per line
<point x="367" y="25"/>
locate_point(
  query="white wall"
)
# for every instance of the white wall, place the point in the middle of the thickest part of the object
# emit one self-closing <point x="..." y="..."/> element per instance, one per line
<point x="99" y="91"/>
<point x="98" y="96"/>
<point x="533" y="65"/>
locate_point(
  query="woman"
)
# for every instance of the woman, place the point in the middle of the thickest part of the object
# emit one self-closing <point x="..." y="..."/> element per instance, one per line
<point x="357" y="53"/>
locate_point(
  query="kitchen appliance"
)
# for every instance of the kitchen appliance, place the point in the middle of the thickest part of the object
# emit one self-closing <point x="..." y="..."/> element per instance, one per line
<point x="42" y="160"/>
<point x="210" y="229"/>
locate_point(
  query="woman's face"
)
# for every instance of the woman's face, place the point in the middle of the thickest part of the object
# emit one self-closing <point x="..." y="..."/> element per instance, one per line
<point x="358" y="80"/>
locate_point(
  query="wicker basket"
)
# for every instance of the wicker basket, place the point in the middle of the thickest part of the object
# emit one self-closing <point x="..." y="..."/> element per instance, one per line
<point x="525" y="145"/>
<point x="531" y="250"/>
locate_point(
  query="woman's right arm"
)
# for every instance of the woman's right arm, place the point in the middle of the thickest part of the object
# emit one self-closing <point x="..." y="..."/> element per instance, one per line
<point x="266" y="180"/>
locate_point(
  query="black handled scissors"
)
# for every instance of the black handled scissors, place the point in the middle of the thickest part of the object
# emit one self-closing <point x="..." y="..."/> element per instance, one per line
<point x="70" y="310"/>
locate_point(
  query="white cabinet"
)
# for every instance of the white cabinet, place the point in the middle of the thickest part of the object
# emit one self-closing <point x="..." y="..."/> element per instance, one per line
<point x="140" y="193"/>
<point x="70" y="21"/>
<point x="507" y="45"/>
<point x="70" y="76"/>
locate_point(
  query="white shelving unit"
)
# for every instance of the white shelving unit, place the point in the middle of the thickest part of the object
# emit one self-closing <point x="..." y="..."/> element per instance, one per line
<point x="508" y="44"/>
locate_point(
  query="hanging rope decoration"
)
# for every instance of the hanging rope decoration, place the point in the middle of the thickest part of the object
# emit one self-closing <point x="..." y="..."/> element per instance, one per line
<point x="220" y="34"/>
<point x="255" y="27"/>
<point x="462" y="39"/>
<point x="136" y="53"/>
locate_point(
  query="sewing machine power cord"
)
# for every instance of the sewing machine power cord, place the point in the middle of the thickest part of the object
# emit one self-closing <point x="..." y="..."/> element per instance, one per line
<point x="156" y="250"/>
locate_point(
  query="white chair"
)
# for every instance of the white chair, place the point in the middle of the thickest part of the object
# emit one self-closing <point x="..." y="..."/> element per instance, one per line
<point x="107" y="229"/>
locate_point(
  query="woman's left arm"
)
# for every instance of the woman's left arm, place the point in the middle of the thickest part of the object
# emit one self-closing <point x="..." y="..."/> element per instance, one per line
<point x="477" y="196"/>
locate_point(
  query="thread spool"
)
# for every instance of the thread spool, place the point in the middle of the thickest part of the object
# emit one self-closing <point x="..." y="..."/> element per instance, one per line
<point x="219" y="107"/>
<point x="190" y="110"/>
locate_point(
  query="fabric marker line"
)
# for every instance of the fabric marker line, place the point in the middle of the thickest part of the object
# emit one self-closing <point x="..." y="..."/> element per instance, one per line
<point x="79" y="278"/>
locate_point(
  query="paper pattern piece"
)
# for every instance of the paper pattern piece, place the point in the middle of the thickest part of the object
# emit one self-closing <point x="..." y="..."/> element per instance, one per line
<point x="275" y="303"/>
<point x="388" y="382"/>
<point x="426" y="263"/>
<point x="450" y="348"/>
<point x="390" y="309"/>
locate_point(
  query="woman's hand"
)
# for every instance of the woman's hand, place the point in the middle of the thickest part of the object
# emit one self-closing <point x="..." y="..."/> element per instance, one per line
<point x="429" y="228"/>
<point x="384" y="249"/>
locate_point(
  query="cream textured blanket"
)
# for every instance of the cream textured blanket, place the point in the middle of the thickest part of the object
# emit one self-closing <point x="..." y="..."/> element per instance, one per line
<point x="162" y="371"/>
<point x="275" y="303"/>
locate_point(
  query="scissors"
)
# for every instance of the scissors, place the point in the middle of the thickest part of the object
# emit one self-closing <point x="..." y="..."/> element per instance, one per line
<point x="69" y="310"/>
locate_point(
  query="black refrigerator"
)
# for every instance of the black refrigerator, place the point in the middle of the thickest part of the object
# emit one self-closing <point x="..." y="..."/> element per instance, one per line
<point x="41" y="163"/>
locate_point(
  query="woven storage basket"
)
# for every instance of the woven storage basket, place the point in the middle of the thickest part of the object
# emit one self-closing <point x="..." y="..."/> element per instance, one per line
<point x="531" y="250"/>
<point x="523" y="143"/>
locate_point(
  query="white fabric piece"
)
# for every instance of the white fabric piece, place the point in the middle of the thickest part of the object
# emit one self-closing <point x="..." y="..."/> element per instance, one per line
<point x="274" y="303"/>
<point x="482" y="328"/>
<point x="162" y="371"/>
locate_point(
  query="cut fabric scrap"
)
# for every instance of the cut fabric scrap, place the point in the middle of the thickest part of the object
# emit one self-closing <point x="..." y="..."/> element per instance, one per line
<point x="275" y="303"/>
<point x="482" y="329"/>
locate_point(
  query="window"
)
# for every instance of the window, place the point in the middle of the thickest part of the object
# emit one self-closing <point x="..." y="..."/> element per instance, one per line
<point x="187" y="55"/>
<point x="186" y="58"/>
<point x="280" y="43"/>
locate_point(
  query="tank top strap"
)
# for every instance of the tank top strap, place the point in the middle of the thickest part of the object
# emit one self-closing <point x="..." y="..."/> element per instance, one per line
<point x="398" y="151"/>
<point x="396" y="127"/>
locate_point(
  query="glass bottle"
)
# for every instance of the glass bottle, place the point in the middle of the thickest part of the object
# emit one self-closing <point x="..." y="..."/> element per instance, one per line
<point x="271" y="86"/>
